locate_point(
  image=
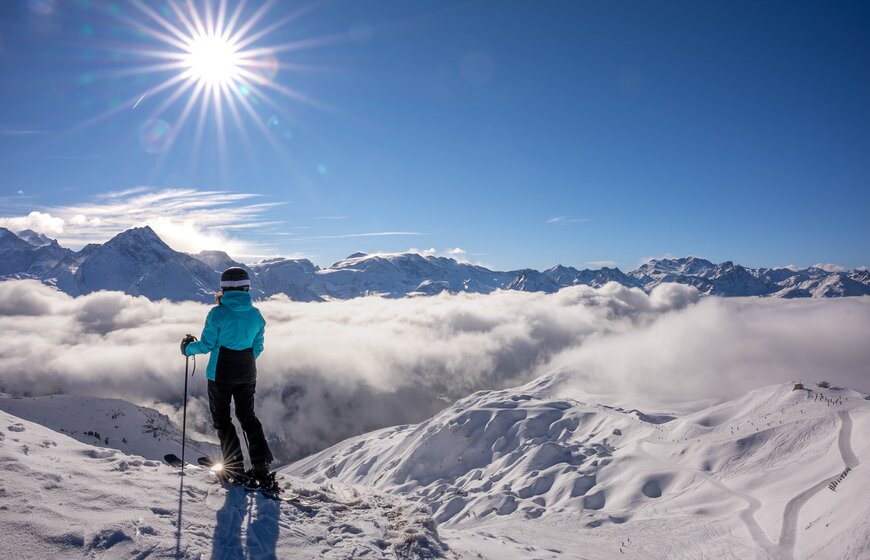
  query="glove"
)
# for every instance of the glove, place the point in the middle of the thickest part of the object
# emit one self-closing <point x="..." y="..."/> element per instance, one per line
<point x="188" y="338"/>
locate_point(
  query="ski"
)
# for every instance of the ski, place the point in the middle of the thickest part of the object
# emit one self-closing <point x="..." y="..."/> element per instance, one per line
<point x="268" y="488"/>
<point x="174" y="460"/>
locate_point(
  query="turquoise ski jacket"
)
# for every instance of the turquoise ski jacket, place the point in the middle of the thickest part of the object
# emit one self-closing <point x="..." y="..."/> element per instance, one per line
<point x="233" y="325"/>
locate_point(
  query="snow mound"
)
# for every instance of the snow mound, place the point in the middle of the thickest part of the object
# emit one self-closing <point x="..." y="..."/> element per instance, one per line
<point x="493" y="453"/>
<point x="65" y="499"/>
<point x="752" y="474"/>
<point x="110" y="423"/>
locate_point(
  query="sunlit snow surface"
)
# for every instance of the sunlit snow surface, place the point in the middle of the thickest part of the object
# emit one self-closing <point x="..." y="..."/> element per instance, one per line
<point x="60" y="498"/>
<point x="533" y="472"/>
<point x="539" y="471"/>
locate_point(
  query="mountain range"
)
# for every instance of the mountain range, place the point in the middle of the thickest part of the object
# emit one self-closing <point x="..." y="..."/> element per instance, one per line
<point x="138" y="262"/>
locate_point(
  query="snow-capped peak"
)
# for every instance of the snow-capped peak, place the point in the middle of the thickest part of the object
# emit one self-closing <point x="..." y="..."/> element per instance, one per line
<point x="139" y="237"/>
<point x="34" y="238"/>
<point x="140" y="250"/>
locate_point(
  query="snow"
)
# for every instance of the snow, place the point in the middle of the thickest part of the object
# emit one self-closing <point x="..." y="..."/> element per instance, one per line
<point x="65" y="499"/>
<point x="537" y="471"/>
<point x="34" y="238"/>
<point x="111" y="423"/>
<point x="138" y="262"/>
<point x="533" y="472"/>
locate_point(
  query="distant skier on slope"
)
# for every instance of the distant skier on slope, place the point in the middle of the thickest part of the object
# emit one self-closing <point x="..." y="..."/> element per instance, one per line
<point x="233" y="334"/>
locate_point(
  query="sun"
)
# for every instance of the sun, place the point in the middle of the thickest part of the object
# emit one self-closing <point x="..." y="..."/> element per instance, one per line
<point x="212" y="60"/>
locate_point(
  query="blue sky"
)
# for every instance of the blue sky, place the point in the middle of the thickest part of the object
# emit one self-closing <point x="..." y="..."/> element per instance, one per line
<point x="514" y="134"/>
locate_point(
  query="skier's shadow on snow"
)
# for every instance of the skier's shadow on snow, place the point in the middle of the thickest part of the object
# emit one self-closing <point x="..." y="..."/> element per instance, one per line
<point x="262" y="527"/>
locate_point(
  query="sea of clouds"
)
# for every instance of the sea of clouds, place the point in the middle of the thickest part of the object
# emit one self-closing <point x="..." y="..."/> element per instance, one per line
<point x="337" y="369"/>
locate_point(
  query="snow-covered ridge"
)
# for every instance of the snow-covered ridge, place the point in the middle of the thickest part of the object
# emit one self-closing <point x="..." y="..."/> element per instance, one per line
<point x="747" y="478"/>
<point x="138" y="262"/>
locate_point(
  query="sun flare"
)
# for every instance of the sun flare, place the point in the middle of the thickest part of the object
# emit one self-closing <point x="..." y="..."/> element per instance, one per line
<point x="212" y="60"/>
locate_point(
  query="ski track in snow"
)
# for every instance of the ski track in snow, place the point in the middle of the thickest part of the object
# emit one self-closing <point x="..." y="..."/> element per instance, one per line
<point x="788" y="535"/>
<point x="747" y="515"/>
<point x="784" y="548"/>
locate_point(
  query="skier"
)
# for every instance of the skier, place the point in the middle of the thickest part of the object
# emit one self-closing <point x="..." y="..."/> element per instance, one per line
<point x="233" y="334"/>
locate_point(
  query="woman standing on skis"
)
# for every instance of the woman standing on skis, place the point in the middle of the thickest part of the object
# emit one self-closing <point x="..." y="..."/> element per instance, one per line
<point x="233" y="335"/>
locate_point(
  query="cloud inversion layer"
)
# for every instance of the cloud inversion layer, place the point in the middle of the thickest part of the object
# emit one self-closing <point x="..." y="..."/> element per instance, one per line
<point x="332" y="370"/>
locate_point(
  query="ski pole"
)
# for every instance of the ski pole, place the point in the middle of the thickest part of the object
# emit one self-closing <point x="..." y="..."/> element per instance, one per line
<point x="188" y="338"/>
<point x="184" y="416"/>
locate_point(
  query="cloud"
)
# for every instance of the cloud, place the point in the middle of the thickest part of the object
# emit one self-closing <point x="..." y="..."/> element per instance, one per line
<point x="567" y="220"/>
<point x="723" y="347"/>
<point x="122" y="193"/>
<point x="75" y="157"/>
<point x="37" y="221"/>
<point x="188" y="220"/>
<point x="430" y="252"/>
<point x="82" y="220"/>
<point x="337" y="369"/>
<point x="828" y="267"/>
<point x="330" y="370"/>
<point x="455" y="253"/>
<point x="23" y="131"/>
<point x="602" y="263"/>
<point x="352" y="235"/>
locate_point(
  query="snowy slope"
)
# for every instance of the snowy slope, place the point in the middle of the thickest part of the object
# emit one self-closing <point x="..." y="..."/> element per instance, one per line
<point x="293" y="277"/>
<point x="529" y="469"/>
<point x="111" y="423"/>
<point x="65" y="499"/>
<point x="401" y="274"/>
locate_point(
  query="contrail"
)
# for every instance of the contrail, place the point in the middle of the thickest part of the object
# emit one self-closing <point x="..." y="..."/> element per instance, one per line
<point x="141" y="98"/>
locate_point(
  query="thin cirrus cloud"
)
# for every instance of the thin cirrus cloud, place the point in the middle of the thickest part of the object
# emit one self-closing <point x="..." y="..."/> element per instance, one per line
<point x="188" y="220"/>
<point x="19" y="131"/>
<point x="602" y="263"/>
<point x="332" y="370"/>
<point x="352" y="235"/>
<point x="567" y="220"/>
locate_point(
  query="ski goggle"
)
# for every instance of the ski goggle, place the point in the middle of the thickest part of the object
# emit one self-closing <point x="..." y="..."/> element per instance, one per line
<point x="235" y="283"/>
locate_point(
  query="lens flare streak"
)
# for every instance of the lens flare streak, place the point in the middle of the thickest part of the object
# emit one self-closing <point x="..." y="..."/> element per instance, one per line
<point x="216" y="56"/>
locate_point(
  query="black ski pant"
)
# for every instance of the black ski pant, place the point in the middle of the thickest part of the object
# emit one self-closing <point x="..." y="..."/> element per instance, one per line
<point x="219" y="397"/>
